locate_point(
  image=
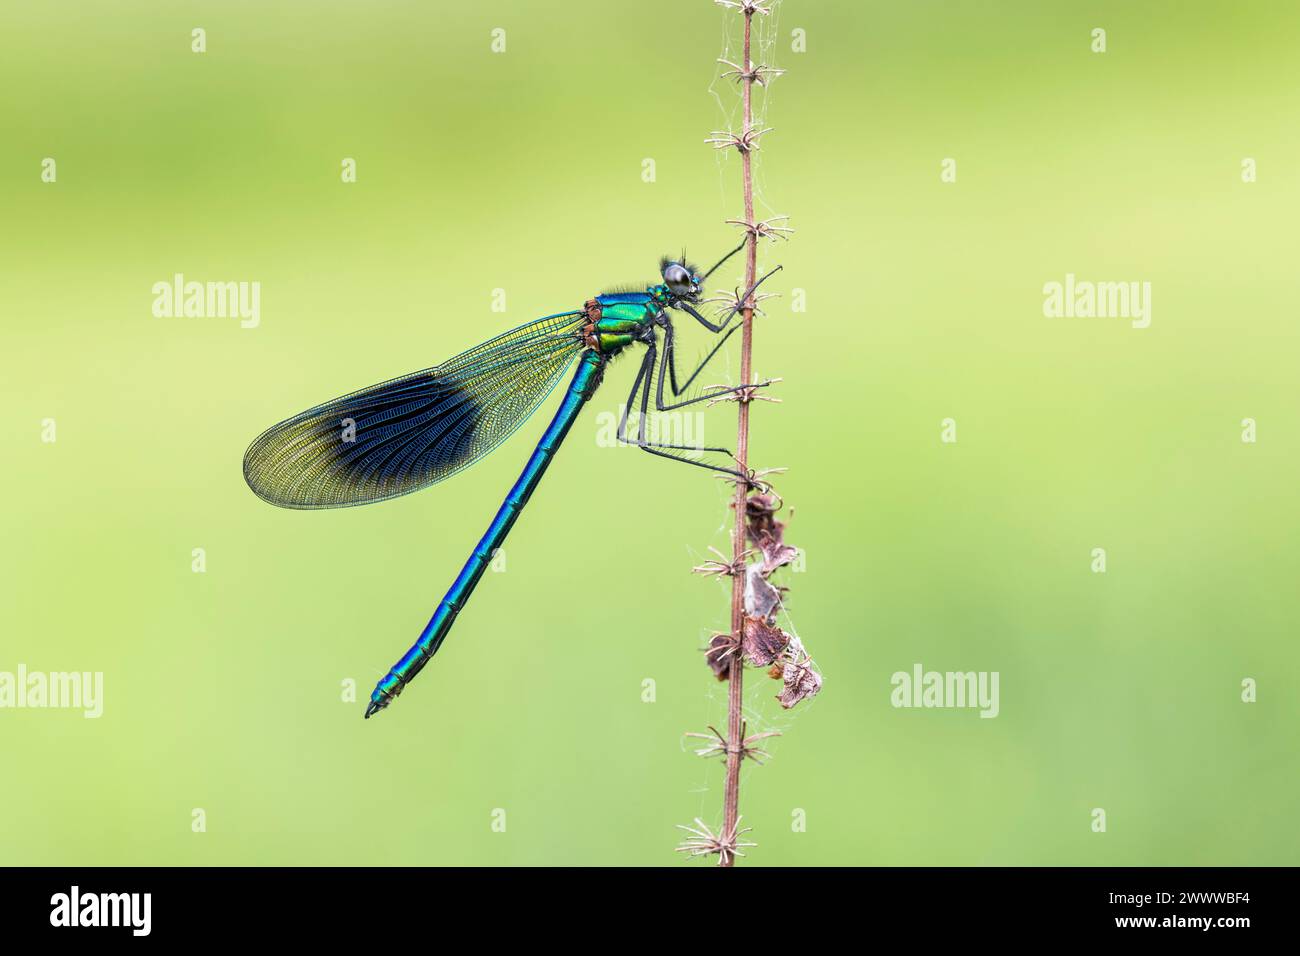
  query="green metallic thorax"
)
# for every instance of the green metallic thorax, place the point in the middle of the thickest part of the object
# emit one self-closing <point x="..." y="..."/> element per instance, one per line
<point x="615" y="319"/>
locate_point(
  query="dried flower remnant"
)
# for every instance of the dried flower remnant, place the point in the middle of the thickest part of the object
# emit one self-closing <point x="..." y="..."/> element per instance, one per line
<point x="720" y="653"/>
<point x="718" y="744"/>
<point x="762" y="599"/>
<point x="722" y="567"/>
<point x="768" y="534"/>
<point x="765" y="228"/>
<point x="763" y="643"/>
<point x="755" y="73"/>
<point x="703" y="841"/>
<point x="801" y="681"/>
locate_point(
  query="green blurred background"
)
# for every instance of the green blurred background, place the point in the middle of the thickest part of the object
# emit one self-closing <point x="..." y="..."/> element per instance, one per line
<point x="522" y="171"/>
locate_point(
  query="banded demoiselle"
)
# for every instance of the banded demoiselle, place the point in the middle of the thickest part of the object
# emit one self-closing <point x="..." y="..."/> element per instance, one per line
<point x="410" y="432"/>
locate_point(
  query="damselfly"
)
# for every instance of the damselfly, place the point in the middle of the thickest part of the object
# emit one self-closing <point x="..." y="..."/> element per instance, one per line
<point x="410" y="432"/>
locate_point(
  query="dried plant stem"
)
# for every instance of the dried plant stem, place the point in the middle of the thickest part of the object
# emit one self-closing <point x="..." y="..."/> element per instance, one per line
<point x="754" y="637"/>
<point x="736" y="683"/>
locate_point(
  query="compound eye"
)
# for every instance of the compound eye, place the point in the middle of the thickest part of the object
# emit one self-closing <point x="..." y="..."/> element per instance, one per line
<point x="678" y="279"/>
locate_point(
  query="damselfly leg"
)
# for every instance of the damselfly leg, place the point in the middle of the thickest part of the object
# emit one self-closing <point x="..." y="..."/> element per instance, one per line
<point x="642" y="385"/>
<point x="716" y="265"/>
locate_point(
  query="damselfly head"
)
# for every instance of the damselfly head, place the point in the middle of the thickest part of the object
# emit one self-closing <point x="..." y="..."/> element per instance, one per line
<point x="682" y="281"/>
